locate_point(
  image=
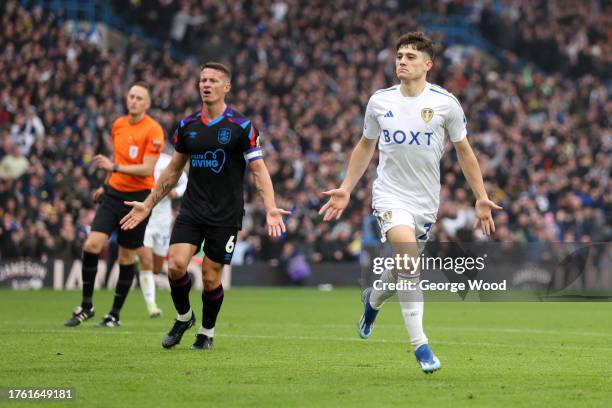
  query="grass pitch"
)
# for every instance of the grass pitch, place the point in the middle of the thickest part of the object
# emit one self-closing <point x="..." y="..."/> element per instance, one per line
<point x="299" y="347"/>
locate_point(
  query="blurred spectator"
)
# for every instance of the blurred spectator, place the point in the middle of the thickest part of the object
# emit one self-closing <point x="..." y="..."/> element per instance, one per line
<point x="294" y="263"/>
<point x="14" y="164"/>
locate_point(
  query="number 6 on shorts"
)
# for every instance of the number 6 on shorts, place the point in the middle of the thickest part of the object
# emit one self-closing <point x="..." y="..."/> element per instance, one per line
<point x="229" y="247"/>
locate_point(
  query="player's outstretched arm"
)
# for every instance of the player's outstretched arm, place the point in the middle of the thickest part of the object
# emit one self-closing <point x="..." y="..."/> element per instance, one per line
<point x="339" y="197"/>
<point x="471" y="170"/>
<point x="166" y="182"/>
<point x="263" y="184"/>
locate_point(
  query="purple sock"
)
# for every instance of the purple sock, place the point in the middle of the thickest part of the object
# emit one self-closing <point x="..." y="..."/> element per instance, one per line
<point x="211" y="304"/>
<point x="179" y="290"/>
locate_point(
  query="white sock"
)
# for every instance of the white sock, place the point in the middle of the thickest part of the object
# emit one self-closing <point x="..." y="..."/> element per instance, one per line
<point x="378" y="297"/>
<point x="147" y="285"/>
<point x="184" y="317"/>
<point x="411" y="304"/>
<point x="207" y="332"/>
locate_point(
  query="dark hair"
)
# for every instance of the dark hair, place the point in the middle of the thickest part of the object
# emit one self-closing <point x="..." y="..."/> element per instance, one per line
<point x="144" y="85"/>
<point x="419" y="40"/>
<point x="219" y="67"/>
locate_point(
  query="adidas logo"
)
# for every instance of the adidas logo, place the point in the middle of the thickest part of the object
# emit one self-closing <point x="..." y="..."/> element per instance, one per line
<point x="389" y="114"/>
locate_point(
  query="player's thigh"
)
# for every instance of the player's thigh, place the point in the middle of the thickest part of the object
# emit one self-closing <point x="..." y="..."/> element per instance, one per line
<point x="179" y="255"/>
<point x="185" y="240"/>
<point x="186" y="231"/>
<point x="396" y="225"/>
<point x="219" y="244"/>
<point x="104" y="223"/>
<point x="411" y="239"/>
<point x="401" y="234"/>
<point x="403" y="241"/>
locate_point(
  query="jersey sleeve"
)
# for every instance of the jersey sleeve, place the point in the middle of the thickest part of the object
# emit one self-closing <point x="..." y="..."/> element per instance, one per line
<point x="371" y="127"/>
<point x="456" y="123"/>
<point x="178" y="140"/>
<point x="113" y="132"/>
<point x="251" y="144"/>
<point x="155" y="141"/>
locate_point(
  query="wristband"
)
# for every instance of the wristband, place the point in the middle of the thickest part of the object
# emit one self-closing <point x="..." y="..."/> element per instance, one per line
<point x="115" y="168"/>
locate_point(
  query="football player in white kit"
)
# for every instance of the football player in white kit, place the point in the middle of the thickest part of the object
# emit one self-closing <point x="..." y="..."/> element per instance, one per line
<point x="157" y="238"/>
<point x="409" y="122"/>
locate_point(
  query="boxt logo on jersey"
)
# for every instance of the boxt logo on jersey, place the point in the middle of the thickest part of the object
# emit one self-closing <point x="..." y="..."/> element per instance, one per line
<point x="213" y="160"/>
<point x="417" y="138"/>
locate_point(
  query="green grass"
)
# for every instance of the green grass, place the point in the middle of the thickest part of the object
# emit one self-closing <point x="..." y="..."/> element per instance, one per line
<point x="292" y="347"/>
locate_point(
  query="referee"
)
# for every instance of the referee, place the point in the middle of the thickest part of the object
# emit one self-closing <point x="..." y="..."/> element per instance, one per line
<point x="137" y="142"/>
<point x="218" y="143"/>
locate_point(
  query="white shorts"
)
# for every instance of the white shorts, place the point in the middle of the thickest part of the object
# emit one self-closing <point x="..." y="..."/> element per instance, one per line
<point x="158" y="239"/>
<point x="389" y="218"/>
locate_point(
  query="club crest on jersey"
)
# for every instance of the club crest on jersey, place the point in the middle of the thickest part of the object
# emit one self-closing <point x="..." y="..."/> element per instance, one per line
<point x="387" y="216"/>
<point x="224" y="135"/>
<point x="427" y="114"/>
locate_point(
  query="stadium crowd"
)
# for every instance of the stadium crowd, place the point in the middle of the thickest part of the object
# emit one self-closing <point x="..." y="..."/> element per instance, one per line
<point x="574" y="40"/>
<point x="303" y="73"/>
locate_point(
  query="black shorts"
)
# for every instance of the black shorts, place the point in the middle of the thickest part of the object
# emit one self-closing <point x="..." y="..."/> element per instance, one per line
<point x="112" y="210"/>
<point x="219" y="242"/>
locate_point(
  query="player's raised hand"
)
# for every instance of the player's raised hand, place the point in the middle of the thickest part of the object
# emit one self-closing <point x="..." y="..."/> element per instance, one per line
<point x="137" y="215"/>
<point x="338" y="201"/>
<point x="484" y="218"/>
<point x="274" y="219"/>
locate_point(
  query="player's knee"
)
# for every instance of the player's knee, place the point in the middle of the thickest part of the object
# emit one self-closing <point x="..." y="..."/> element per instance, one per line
<point x="93" y="246"/>
<point x="211" y="282"/>
<point x="211" y="276"/>
<point x="126" y="257"/>
<point x="177" y="267"/>
<point x="145" y="264"/>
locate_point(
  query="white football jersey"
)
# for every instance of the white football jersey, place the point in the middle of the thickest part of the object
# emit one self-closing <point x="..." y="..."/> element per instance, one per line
<point x="411" y="133"/>
<point x="161" y="216"/>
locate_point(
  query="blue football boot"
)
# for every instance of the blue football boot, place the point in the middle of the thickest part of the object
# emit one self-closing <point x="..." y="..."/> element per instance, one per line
<point x="366" y="322"/>
<point x="427" y="359"/>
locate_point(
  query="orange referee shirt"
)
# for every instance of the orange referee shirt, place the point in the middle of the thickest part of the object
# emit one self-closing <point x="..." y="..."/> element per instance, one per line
<point x="131" y="144"/>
